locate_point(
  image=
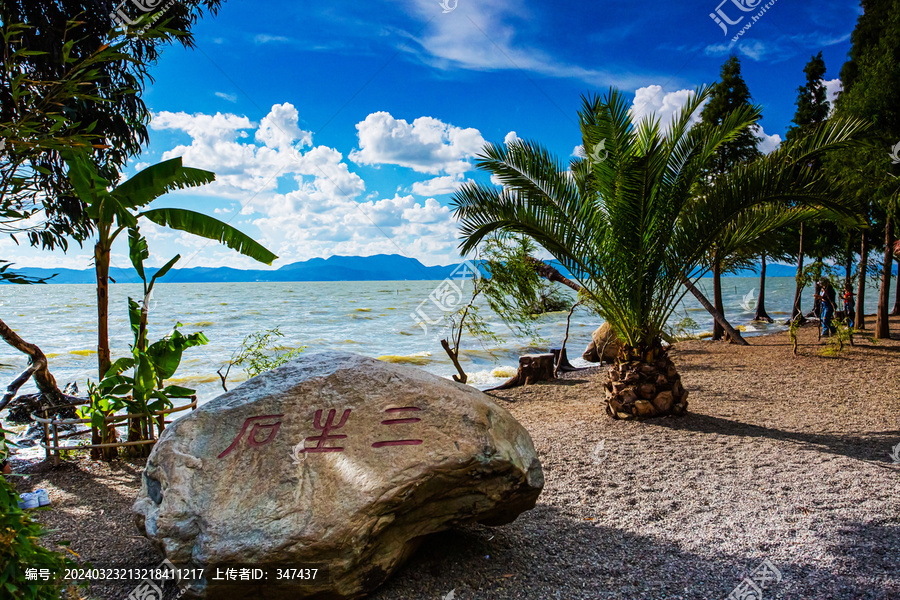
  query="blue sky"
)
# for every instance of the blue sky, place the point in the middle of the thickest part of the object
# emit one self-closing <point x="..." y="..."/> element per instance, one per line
<point x="344" y="128"/>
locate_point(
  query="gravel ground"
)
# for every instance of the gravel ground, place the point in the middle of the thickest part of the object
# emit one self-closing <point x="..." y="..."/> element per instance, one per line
<point x="780" y="457"/>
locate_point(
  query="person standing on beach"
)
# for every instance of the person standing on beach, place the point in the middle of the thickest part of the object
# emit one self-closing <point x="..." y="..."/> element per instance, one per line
<point x="828" y="299"/>
<point x="848" y="304"/>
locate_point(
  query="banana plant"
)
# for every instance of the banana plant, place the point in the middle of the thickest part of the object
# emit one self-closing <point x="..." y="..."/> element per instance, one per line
<point x="143" y="391"/>
<point x="114" y="209"/>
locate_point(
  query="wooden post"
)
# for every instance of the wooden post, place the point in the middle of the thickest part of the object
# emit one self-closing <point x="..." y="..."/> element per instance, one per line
<point x="56" y="456"/>
<point x="46" y="437"/>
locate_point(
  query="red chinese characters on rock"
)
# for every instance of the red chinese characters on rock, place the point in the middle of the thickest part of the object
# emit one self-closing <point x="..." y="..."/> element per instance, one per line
<point x="399" y="420"/>
<point x="327" y="436"/>
<point x="258" y="426"/>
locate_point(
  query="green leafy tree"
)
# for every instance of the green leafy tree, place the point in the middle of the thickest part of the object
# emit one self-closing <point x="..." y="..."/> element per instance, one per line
<point x="630" y="228"/>
<point x="728" y="94"/>
<point x="871" y="78"/>
<point x="812" y="108"/>
<point x="59" y="34"/>
<point x="35" y="123"/>
<point x="515" y="291"/>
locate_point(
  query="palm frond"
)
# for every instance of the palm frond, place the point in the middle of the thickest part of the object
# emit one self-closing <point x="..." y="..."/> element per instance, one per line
<point x="202" y="225"/>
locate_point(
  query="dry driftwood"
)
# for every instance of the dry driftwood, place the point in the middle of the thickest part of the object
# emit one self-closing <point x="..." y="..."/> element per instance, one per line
<point x="49" y="395"/>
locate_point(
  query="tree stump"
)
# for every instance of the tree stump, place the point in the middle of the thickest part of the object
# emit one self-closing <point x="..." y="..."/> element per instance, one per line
<point x="532" y="368"/>
<point x="562" y="361"/>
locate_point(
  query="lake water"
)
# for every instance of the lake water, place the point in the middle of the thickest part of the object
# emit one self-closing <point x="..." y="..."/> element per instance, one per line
<point x="370" y="318"/>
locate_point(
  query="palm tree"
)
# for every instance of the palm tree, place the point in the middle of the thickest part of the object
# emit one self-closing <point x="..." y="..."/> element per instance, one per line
<point x="113" y="211"/>
<point x="632" y="228"/>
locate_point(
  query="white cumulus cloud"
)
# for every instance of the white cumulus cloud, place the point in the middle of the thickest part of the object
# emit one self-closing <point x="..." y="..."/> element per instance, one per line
<point x="427" y="145"/>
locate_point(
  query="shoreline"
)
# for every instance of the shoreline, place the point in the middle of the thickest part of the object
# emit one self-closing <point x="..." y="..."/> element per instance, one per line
<point x="779" y="458"/>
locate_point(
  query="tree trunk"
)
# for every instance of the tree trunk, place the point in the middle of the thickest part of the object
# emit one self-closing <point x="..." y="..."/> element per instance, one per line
<point x="860" y="321"/>
<point x="718" y="330"/>
<point x="733" y="333"/>
<point x="454" y="358"/>
<point x="38" y="369"/>
<point x="562" y="361"/>
<point x="647" y="386"/>
<point x="797" y="310"/>
<point x="817" y="303"/>
<point x="761" y="314"/>
<point x="101" y="267"/>
<point x="882" y="324"/>
<point x="532" y="368"/>
<point x="548" y="272"/>
<point x="848" y="263"/>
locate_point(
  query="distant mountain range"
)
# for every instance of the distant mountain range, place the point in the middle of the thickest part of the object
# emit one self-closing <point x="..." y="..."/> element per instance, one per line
<point x="380" y="267"/>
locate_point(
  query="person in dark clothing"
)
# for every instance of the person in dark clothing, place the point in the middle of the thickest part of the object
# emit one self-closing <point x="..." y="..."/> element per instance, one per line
<point x="849" y="311"/>
<point x="828" y="298"/>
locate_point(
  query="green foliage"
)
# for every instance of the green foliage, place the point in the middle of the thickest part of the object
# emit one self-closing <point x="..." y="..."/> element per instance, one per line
<point x="115" y="210"/>
<point x="20" y="550"/>
<point x="871" y="78"/>
<point x="792" y="335"/>
<point x="38" y="121"/>
<point x="468" y="319"/>
<point x="513" y="290"/>
<point x="9" y="276"/>
<point x="144" y="390"/>
<point x="730" y="93"/>
<point x="259" y="352"/>
<point x="812" y="97"/>
<point x="69" y="78"/>
<point x="684" y="329"/>
<point x="838" y="340"/>
<point x="631" y="228"/>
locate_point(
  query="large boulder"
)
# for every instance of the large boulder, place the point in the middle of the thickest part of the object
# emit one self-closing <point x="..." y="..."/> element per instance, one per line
<point x="336" y="461"/>
<point x="604" y="346"/>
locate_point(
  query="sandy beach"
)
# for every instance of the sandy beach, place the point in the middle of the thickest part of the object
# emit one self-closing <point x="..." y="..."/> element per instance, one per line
<point x="781" y="458"/>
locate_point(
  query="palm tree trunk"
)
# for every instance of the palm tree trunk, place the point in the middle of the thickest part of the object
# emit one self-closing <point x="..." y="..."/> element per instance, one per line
<point x="882" y="324"/>
<point x="718" y="330"/>
<point x="761" y="314"/>
<point x="646" y="384"/>
<point x="733" y="333"/>
<point x="797" y="311"/>
<point x="860" y="320"/>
